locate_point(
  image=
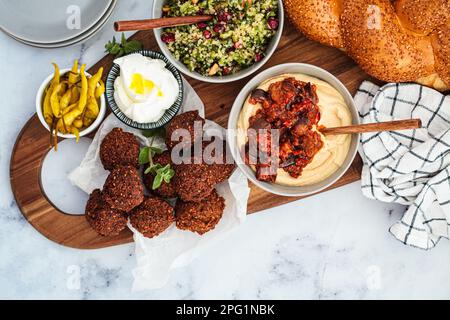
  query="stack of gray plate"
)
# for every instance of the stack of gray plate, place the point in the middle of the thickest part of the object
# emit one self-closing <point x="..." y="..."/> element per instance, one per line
<point x="54" y="23"/>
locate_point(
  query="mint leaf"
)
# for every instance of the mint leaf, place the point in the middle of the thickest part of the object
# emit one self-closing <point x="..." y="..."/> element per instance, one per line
<point x="155" y="168"/>
<point x="168" y="175"/>
<point x="157" y="181"/>
<point x="148" y="170"/>
<point x="162" y="169"/>
<point x="124" y="47"/>
<point x="162" y="174"/>
<point x="120" y="53"/>
<point x="115" y="49"/>
<point x="132" y="46"/>
<point x="144" y="155"/>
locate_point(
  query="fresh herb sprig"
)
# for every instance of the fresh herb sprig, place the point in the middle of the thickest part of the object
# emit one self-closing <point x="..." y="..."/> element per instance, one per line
<point x="147" y="153"/>
<point x="161" y="173"/>
<point x="124" y="47"/>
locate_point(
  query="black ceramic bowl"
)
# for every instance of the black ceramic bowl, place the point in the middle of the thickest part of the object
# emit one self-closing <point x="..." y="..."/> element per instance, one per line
<point x="167" y="116"/>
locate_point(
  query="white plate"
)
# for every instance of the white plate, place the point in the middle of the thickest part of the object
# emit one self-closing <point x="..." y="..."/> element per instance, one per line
<point x="46" y="21"/>
<point x="86" y="35"/>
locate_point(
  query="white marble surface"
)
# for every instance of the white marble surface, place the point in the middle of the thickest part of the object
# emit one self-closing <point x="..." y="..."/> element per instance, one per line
<point x="334" y="245"/>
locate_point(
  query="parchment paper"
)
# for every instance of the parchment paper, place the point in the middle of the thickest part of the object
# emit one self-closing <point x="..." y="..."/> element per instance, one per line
<point x="173" y="248"/>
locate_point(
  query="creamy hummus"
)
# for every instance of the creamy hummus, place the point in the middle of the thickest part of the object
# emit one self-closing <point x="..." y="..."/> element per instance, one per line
<point x="333" y="113"/>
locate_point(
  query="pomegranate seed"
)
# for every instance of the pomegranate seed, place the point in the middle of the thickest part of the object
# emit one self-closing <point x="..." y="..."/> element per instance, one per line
<point x="207" y="34"/>
<point x="168" y="37"/>
<point x="219" y="28"/>
<point x="201" y="25"/>
<point x="273" y="23"/>
<point x="224" y="16"/>
<point x="226" y="70"/>
<point x="258" y="57"/>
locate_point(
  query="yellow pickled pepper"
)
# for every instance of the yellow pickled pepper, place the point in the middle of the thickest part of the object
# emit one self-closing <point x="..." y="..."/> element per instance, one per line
<point x="100" y="89"/>
<point x="93" y="81"/>
<point x="92" y="105"/>
<point x="65" y="100"/>
<point x="69" y="117"/>
<point x="54" y="100"/>
<point x="78" y="123"/>
<point x="73" y="75"/>
<point x="75" y="131"/>
<point x="84" y="89"/>
<point x="75" y="96"/>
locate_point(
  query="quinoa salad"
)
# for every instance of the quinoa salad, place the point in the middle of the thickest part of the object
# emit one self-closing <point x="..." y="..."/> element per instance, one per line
<point x="235" y="39"/>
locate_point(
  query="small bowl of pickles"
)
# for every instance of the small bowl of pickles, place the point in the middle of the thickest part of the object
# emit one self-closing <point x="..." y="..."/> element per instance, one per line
<point x="70" y="103"/>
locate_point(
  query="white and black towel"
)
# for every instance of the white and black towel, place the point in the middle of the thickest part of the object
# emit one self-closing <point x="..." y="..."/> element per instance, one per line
<point x="410" y="167"/>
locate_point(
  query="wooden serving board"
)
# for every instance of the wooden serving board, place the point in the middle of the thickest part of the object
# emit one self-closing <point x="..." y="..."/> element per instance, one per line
<point x="32" y="143"/>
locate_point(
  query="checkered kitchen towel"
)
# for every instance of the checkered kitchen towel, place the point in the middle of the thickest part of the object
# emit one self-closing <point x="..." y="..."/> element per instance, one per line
<point x="410" y="167"/>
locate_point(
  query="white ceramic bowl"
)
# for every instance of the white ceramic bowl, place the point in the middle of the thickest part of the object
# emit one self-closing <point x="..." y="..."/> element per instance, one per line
<point x="239" y="102"/>
<point x="157" y="13"/>
<point x="39" y="111"/>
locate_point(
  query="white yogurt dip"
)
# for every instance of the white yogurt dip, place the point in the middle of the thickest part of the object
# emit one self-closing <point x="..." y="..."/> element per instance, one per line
<point x="145" y="88"/>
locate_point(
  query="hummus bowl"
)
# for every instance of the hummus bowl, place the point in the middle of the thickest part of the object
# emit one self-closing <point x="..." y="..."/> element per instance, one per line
<point x="337" y="108"/>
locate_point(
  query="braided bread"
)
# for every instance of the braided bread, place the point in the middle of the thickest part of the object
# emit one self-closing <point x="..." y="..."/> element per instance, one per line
<point x="394" y="41"/>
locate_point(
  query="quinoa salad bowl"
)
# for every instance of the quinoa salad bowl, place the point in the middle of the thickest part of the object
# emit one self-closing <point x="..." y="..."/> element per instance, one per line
<point x="238" y="41"/>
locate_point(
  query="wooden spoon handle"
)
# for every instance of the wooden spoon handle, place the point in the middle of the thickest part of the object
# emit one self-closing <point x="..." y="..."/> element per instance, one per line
<point x="375" y="127"/>
<point x="147" y="24"/>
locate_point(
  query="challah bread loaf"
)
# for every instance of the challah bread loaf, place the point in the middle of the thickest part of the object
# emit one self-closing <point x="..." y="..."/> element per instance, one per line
<point x="395" y="41"/>
<point x="422" y="16"/>
<point x="317" y="19"/>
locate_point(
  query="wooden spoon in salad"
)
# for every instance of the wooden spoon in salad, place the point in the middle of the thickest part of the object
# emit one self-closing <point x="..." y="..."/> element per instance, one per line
<point x="148" y="24"/>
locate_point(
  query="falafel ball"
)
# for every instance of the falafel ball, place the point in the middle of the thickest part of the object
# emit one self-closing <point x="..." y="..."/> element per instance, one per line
<point x="166" y="190"/>
<point x="152" y="217"/>
<point x="102" y="218"/>
<point x="224" y="168"/>
<point x="123" y="188"/>
<point x="187" y="122"/>
<point x="200" y="217"/>
<point x="226" y="171"/>
<point x="119" y="148"/>
<point x="196" y="180"/>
